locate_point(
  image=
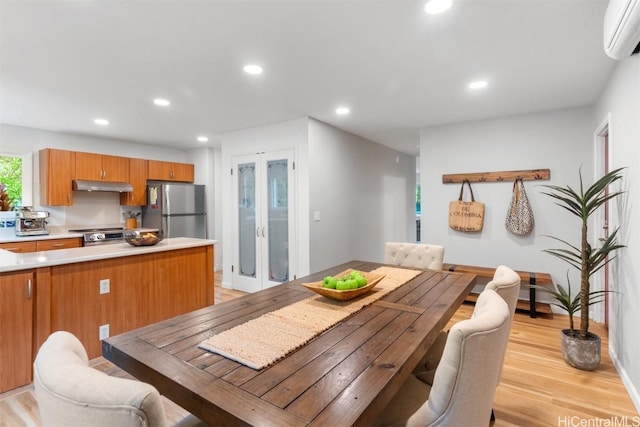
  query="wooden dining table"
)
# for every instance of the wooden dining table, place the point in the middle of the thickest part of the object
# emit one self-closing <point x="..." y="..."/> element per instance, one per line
<point x="345" y="376"/>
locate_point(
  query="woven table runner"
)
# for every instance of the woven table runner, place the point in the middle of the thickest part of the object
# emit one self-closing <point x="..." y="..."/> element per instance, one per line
<point x="264" y="340"/>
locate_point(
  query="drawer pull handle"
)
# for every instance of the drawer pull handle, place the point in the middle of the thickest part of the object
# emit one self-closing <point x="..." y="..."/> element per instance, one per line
<point x="29" y="289"/>
<point x="58" y="245"/>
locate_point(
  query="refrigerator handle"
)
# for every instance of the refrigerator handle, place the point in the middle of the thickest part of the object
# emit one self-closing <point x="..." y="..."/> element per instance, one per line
<point x="165" y="226"/>
<point x="257" y="231"/>
<point x="263" y="232"/>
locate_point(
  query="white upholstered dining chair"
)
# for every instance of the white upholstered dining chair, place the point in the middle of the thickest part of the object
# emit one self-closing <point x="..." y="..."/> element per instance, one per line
<point x="416" y="255"/>
<point x="506" y="282"/>
<point x="71" y="393"/>
<point x="465" y="381"/>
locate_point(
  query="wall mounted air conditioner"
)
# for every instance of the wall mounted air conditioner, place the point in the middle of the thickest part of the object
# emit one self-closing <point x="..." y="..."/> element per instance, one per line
<point x="622" y="28"/>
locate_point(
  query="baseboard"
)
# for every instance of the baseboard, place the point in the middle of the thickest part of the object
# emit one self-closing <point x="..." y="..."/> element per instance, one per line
<point x="631" y="388"/>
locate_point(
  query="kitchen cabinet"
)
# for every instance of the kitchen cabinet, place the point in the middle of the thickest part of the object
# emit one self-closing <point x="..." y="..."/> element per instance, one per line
<point x="19" y="247"/>
<point x="100" y="167"/>
<point x="138" y="180"/>
<point x="57" y="168"/>
<point x="42" y="245"/>
<point x="54" y="244"/>
<point x="168" y="171"/>
<point x="16" y="329"/>
<point x="144" y="289"/>
<point x="263" y="221"/>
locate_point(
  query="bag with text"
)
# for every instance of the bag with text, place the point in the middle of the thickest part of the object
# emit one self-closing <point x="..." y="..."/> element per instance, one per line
<point x="519" y="219"/>
<point x="466" y="216"/>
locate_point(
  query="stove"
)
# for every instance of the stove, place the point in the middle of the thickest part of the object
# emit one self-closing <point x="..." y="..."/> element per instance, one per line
<point x="101" y="236"/>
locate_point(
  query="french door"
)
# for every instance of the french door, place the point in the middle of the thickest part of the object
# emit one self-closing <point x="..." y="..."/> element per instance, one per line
<point x="263" y="220"/>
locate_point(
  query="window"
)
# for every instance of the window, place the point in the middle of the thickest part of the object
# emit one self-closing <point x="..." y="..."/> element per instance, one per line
<point x="16" y="184"/>
<point x="10" y="182"/>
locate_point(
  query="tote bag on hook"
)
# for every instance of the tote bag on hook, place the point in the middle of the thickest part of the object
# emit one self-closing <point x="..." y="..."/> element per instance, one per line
<point x="466" y="216"/>
<point x="519" y="219"/>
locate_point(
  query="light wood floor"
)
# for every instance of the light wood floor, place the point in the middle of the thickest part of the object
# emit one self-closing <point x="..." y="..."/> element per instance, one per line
<point x="537" y="387"/>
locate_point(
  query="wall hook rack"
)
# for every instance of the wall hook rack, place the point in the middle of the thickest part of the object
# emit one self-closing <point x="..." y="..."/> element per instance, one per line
<point x="500" y="176"/>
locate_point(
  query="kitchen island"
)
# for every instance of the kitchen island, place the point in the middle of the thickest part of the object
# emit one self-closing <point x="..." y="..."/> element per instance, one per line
<point x="93" y="292"/>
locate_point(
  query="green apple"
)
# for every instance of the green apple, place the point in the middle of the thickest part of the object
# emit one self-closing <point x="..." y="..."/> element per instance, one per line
<point x="341" y="285"/>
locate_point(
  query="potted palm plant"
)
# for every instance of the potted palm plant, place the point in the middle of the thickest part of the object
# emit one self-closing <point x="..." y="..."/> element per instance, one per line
<point x="581" y="348"/>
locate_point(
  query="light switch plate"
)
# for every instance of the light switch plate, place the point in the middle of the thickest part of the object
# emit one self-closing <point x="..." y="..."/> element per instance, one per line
<point x="316" y="215"/>
<point x="105" y="286"/>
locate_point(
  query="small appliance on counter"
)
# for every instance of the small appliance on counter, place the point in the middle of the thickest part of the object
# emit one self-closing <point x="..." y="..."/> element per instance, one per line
<point x="30" y="222"/>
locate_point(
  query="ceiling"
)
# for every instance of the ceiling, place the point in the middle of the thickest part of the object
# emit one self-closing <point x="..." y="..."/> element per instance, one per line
<point x="398" y="69"/>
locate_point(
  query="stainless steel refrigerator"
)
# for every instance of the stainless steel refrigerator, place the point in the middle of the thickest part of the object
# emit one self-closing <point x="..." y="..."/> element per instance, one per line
<point x="177" y="210"/>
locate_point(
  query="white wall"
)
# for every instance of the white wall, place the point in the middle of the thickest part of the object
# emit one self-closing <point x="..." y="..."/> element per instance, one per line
<point x="364" y="193"/>
<point x="621" y="102"/>
<point x="286" y="135"/>
<point x="557" y="140"/>
<point x="204" y="160"/>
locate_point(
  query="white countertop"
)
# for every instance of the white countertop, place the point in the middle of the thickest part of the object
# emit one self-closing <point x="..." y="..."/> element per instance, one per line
<point x="10" y="261"/>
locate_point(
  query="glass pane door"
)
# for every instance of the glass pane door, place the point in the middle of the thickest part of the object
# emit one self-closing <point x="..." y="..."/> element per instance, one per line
<point x="247" y="228"/>
<point x="278" y="219"/>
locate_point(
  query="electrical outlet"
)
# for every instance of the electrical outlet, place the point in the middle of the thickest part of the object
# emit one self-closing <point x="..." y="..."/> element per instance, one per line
<point x="105" y="286"/>
<point x="103" y="331"/>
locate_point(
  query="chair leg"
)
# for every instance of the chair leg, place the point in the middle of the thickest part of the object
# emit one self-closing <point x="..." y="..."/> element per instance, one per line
<point x="493" y="416"/>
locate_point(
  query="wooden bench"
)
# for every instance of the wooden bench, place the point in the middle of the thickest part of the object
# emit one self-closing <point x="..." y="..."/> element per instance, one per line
<point x="527" y="278"/>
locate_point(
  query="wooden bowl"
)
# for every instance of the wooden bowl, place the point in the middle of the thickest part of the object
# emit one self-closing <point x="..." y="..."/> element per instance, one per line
<point x="372" y="281"/>
<point x="142" y="238"/>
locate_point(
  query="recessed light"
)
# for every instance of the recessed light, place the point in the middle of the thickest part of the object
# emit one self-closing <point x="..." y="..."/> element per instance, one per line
<point x="342" y="111"/>
<point x="437" y="6"/>
<point x="101" y="122"/>
<point x="203" y="139"/>
<point x="162" y="102"/>
<point x="480" y="84"/>
<point x="252" y="69"/>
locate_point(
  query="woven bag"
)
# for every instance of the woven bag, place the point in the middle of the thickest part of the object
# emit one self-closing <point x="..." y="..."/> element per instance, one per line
<point x="466" y="216"/>
<point x="519" y="219"/>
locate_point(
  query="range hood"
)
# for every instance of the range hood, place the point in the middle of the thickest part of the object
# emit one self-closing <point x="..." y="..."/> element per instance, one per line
<point x="84" y="185"/>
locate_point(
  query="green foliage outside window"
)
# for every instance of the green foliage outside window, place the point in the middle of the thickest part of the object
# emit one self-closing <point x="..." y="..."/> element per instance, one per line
<point x="418" y="207"/>
<point x="11" y="178"/>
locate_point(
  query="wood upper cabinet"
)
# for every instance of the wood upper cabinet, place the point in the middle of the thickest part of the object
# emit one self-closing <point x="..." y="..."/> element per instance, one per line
<point x="19" y="247"/>
<point x="16" y="329"/>
<point x="57" y="168"/>
<point x="54" y="244"/>
<point x="100" y="167"/>
<point x="137" y="179"/>
<point x="168" y="171"/>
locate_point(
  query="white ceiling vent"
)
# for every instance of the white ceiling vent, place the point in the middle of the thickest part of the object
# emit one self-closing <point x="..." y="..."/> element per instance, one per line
<point x="622" y="28"/>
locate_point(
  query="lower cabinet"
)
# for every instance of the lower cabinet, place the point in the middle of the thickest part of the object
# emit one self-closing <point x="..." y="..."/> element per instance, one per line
<point x="54" y="244"/>
<point x="16" y="329"/>
<point x="125" y="293"/>
<point x="42" y="245"/>
<point x="19" y="247"/>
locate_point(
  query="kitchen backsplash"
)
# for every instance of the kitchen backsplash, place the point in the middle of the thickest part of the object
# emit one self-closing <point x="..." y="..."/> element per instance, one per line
<point x="89" y="209"/>
<point x="7" y="219"/>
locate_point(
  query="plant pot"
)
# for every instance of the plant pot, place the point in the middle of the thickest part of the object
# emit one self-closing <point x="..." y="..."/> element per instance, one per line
<point x="131" y="223"/>
<point x="581" y="353"/>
